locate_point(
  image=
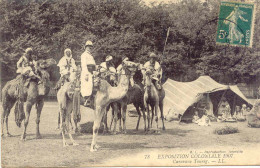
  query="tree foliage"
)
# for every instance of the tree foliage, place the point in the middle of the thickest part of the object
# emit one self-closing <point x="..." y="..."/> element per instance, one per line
<point x="126" y="28"/>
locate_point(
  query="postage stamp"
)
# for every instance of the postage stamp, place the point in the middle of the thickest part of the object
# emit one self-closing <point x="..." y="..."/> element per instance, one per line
<point x="236" y="24"/>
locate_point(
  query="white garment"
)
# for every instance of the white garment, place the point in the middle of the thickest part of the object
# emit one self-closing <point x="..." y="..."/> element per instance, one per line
<point x="104" y="68"/>
<point x="67" y="65"/>
<point x="86" y="77"/>
<point x="157" y="67"/>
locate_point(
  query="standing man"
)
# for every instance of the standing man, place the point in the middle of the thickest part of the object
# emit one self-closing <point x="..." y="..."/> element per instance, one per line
<point x="88" y="66"/>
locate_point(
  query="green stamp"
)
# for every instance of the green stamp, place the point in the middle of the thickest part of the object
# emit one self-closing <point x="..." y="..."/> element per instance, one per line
<point x="236" y="23"/>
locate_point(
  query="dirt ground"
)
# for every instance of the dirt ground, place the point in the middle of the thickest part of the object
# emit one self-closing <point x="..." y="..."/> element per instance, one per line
<point x="49" y="151"/>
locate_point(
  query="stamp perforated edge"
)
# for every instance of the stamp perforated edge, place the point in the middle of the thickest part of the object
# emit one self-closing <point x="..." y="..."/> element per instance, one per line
<point x="252" y="27"/>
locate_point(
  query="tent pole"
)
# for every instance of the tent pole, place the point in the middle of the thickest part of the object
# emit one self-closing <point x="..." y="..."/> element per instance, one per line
<point x="234" y="106"/>
<point x="220" y="100"/>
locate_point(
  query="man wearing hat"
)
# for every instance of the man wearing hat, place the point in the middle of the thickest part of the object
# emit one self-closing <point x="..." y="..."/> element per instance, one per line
<point x="153" y="64"/>
<point x="66" y="65"/>
<point x="108" y="65"/>
<point x="88" y="66"/>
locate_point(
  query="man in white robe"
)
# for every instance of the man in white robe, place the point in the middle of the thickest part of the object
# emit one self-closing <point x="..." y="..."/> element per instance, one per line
<point x="88" y="66"/>
<point x="67" y="65"/>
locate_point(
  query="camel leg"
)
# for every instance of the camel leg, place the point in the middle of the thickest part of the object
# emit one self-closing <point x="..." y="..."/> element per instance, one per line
<point x="76" y="126"/>
<point x="39" y="106"/>
<point x="58" y="127"/>
<point x="112" y="119"/>
<point x="124" y="117"/>
<point x="148" y="117"/>
<point x="5" y="115"/>
<point x="156" y="117"/>
<point x="152" y="109"/>
<point x="105" y="123"/>
<point x="139" y="116"/>
<point x="99" y="114"/>
<point x="63" y="125"/>
<point x="68" y="122"/>
<point x="162" y="117"/>
<point x="7" y="106"/>
<point x="119" y="117"/>
<point x="27" y="116"/>
<point x="144" y="116"/>
<point x="115" y="114"/>
<point x="2" y="122"/>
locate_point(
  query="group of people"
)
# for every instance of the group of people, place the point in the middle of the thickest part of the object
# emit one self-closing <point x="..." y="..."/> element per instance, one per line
<point x="223" y="113"/>
<point x="27" y="66"/>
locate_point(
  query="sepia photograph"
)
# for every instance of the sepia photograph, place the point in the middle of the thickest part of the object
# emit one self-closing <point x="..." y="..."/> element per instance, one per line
<point x="130" y="83"/>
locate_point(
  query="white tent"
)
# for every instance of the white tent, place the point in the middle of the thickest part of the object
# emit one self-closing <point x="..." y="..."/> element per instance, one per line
<point x="181" y="95"/>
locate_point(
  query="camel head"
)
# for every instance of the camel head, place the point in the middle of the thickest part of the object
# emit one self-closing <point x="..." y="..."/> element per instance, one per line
<point x="42" y="66"/>
<point x="75" y="84"/>
<point x="113" y="79"/>
<point x="130" y="67"/>
<point x="151" y="77"/>
<point x="44" y="86"/>
<point x="71" y="89"/>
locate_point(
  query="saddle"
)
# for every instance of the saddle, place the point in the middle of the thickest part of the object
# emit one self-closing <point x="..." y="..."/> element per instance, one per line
<point x="62" y="80"/>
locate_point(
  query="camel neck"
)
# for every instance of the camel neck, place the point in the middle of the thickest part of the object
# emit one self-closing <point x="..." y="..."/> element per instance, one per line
<point x="120" y="91"/>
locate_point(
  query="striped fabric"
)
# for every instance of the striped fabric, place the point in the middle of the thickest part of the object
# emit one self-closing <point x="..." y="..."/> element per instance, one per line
<point x="181" y="95"/>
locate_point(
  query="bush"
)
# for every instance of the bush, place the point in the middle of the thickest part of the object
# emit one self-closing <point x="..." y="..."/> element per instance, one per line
<point x="226" y="130"/>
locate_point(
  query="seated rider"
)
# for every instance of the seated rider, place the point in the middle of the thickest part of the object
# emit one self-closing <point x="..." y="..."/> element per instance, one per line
<point x="119" y="69"/>
<point x="26" y="66"/>
<point x="108" y="66"/>
<point x="88" y="66"/>
<point x="156" y="67"/>
<point x="66" y="65"/>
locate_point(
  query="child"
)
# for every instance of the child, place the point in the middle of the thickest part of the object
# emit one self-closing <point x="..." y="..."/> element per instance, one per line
<point x="239" y="114"/>
<point x="196" y="117"/>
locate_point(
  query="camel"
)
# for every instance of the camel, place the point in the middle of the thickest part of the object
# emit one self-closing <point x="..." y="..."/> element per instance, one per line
<point x="134" y="96"/>
<point x="111" y="78"/>
<point x="34" y="93"/>
<point x="154" y="98"/>
<point x="107" y="94"/>
<point x="74" y="98"/>
<point x="68" y="97"/>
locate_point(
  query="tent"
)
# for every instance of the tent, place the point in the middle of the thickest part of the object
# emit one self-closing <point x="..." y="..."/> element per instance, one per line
<point x="182" y="95"/>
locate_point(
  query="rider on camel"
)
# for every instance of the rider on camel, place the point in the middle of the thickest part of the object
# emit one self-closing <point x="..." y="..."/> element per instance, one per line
<point x="155" y="67"/>
<point x="108" y="65"/>
<point x="119" y="69"/>
<point x="66" y="65"/>
<point x="88" y="66"/>
<point x="27" y="66"/>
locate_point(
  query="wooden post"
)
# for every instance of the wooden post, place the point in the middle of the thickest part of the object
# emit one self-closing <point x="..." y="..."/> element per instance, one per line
<point x="220" y="101"/>
<point x="234" y="105"/>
